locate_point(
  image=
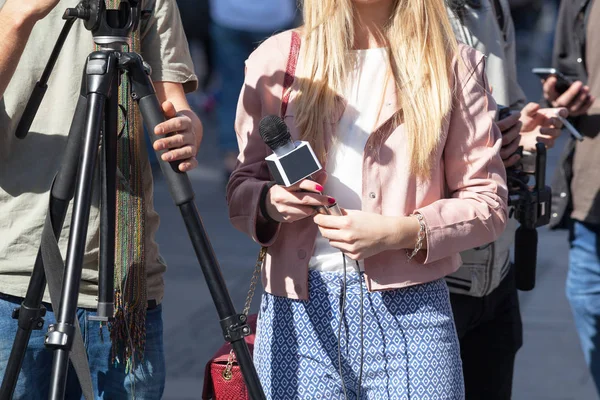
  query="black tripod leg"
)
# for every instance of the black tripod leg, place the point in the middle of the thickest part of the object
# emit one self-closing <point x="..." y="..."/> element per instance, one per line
<point x="31" y="312"/>
<point x="100" y="72"/>
<point x="234" y="325"/>
<point x="106" y="271"/>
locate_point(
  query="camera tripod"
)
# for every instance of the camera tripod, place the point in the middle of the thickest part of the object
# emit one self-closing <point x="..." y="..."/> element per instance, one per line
<point x="94" y="133"/>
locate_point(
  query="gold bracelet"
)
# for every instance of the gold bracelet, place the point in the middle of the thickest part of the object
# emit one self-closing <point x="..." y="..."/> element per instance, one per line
<point x="420" y="237"/>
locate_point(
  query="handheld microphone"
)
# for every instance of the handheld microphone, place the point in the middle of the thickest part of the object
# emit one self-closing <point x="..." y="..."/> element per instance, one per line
<point x="291" y="161"/>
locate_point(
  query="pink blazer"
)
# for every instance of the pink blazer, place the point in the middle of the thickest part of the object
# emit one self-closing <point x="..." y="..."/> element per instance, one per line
<point x="464" y="203"/>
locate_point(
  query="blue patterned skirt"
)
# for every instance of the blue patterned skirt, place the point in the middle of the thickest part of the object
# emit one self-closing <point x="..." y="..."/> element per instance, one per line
<point x="409" y="344"/>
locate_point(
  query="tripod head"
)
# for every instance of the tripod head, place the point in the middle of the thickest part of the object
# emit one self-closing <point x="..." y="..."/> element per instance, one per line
<point x="108" y="27"/>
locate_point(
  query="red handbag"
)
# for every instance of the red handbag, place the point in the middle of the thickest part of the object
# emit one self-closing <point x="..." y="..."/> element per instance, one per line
<point x="223" y="378"/>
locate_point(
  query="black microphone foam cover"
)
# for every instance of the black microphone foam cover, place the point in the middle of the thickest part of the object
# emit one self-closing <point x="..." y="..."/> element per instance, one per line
<point x="274" y="131"/>
<point x="526" y="241"/>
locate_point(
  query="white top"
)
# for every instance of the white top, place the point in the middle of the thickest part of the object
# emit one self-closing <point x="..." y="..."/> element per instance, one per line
<point x="364" y="94"/>
<point x="253" y="15"/>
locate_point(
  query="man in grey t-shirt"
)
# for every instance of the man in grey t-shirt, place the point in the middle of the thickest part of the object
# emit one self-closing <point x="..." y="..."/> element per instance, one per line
<point x="28" y="166"/>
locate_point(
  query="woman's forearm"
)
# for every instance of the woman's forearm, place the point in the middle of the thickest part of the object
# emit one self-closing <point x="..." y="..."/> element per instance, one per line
<point x="405" y="233"/>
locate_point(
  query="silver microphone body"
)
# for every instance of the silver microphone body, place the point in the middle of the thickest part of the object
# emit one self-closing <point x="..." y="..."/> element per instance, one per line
<point x="284" y="149"/>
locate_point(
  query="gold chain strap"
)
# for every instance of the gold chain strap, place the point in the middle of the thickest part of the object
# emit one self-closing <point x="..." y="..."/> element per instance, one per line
<point x="227" y="374"/>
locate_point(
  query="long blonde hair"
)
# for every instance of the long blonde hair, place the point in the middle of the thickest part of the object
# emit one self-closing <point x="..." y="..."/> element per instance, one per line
<point x="421" y="47"/>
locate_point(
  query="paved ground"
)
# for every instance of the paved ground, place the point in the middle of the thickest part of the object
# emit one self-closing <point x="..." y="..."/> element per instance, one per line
<point x="549" y="367"/>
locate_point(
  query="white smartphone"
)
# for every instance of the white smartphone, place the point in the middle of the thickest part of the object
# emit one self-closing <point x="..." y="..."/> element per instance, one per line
<point x="570" y="128"/>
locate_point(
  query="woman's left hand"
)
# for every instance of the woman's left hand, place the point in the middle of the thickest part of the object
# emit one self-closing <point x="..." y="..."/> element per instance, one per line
<point x="359" y="234"/>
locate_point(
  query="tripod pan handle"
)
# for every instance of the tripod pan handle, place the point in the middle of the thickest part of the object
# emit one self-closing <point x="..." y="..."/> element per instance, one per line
<point x="37" y="95"/>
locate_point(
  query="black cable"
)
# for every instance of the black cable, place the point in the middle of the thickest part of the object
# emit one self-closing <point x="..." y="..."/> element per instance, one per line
<point x="362" y="343"/>
<point x="342" y="312"/>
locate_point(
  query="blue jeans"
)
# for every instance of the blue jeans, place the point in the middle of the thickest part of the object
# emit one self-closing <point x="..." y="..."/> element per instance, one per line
<point x="110" y="381"/>
<point x="583" y="291"/>
<point x="231" y="49"/>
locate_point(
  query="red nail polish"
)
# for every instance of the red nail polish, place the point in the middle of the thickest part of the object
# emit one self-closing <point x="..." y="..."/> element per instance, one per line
<point x="319" y="188"/>
<point x="331" y="200"/>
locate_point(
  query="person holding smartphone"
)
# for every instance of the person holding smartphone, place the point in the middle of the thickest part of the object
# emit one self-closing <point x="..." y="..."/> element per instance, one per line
<point x="483" y="291"/>
<point x="576" y="184"/>
<point x="576" y="96"/>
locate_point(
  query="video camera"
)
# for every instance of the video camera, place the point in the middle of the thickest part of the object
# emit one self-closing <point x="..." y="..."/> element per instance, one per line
<point x="530" y="205"/>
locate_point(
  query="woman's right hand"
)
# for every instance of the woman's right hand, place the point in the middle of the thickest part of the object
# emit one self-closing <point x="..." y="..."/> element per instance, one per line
<point x="289" y="204"/>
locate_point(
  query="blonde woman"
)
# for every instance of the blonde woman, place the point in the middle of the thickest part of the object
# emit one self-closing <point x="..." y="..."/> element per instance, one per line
<point x="402" y="119"/>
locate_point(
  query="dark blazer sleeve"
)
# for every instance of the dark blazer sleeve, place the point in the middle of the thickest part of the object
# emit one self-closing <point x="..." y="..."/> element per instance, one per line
<point x="569" y="58"/>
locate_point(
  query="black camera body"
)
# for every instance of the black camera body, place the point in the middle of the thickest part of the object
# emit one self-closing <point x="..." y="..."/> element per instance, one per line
<point x="530" y="205"/>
